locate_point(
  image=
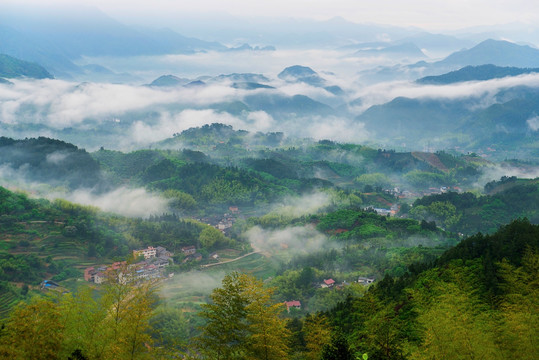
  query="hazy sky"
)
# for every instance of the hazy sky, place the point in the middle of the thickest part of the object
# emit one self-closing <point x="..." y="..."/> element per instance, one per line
<point x="428" y="14"/>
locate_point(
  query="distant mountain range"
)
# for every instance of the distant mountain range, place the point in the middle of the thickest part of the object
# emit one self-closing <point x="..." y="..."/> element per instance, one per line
<point x="494" y="52"/>
<point x="58" y="39"/>
<point x="509" y="126"/>
<point x="476" y="73"/>
<point x="11" y="67"/>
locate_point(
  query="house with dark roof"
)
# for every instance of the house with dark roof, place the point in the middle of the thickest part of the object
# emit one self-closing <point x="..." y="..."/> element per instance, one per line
<point x="189" y="250"/>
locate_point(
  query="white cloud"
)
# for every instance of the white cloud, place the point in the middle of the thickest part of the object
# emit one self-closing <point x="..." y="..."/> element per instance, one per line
<point x="297" y="240"/>
<point x="56" y="157"/>
<point x="133" y="202"/>
<point x="533" y="123"/>
<point x="303" y="205"/>
<point x="384" y="92"/>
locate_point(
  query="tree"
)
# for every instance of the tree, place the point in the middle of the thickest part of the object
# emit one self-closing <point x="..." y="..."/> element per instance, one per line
<point x="180" y="200"/>
<point x="268" y="335"/>
<point x="242" y="322"/>
<point x="170" y="329"/>
<point x="210" y="237"/>
<point x="33" y="331"/>
<point x="520" y="307"/>
<point x="337" y="350"/>
<point x="317" y="335"/>
<point x="373" y="180"/>
<point x="130" y="307"/>
<point x="456" y="324"/>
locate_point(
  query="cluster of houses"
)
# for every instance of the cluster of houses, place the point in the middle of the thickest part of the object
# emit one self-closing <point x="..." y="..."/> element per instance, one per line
<point x="191" y="254"/>
<point x="225" y="222"/>
<point x="404" y="194"/>
<point x="328" y="283"/>
<point x="155" y="260"/>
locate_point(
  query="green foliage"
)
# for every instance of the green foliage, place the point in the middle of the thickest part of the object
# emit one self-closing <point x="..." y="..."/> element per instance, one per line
<point x="469" y="214"/>
<point x="425" y="179"/>
<point x="242" y="322"/>
<point x="51" y="161"/>
<point x="169" y="329"/>
<point x="453" y="307"/>
<point x="22" y="268"/>
<point x="210" y="237"/>
<point x="180" y="200"/>
<point x="373" y="180"/>
<point x="114" y="326"/>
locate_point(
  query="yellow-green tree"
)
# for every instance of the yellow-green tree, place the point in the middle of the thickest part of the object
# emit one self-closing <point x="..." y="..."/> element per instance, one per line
<point x="519" y="327"/>
<point x="130" y="307"/>
<point x="33" y="331"/>
<point x="268" y="335"/>
<point x="456" y="324"/>
<point x="117" y="326"/>
<point x="317" y="334"/>
<point x="242" y="322"/>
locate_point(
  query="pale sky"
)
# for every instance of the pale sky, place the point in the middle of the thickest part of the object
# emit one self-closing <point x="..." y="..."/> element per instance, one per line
<point x="427" y="14"/>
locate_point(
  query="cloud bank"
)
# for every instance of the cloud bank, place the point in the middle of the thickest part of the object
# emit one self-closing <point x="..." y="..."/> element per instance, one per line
<point x="296" y="240"/>
<point x="131" y="202"/>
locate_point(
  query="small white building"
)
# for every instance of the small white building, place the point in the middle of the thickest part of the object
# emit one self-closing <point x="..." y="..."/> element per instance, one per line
<point x="150" y="252"/>
<point x="365" y="280"/>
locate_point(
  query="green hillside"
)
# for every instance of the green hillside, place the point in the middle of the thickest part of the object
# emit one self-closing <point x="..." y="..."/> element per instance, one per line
<point x="509" y="199"/>
<point x="479" y="299"/>
<point x="11" y="67"/>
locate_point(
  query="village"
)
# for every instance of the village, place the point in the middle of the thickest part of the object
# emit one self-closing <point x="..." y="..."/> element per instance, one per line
<point x="155" y="260"/>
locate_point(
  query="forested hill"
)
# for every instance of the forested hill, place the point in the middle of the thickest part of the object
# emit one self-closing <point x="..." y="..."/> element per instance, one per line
<point x="478" y="300"/>
<point x="506" y="200"/>
<point x="49" y="161"/>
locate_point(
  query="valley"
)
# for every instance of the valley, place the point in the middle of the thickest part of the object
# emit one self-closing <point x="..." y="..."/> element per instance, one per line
<point x="323" y="184"/>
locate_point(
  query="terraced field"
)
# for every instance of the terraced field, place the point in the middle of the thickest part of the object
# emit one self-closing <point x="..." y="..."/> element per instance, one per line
<point x="8" y="300"/>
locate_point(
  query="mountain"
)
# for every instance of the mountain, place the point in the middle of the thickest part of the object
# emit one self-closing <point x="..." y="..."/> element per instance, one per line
<point x="413" y="119"/>
<point x="282" y="105"/>
<point x="436" y="43"/>
<point x="299" y="73"/>
<point x="58" y="37"/>
<point x="496" y="52"/>
<point x="476" y="73"/>
<point x="11" y="67"/>
<point x="250" y="86"/>
<point x="506" y="128"/>
<point x="173" y="42"/>
<point x="50" y="161"/>
<point x="30" y="48"/>
<point x="242" y="77"/>
<point x="169" y="81"/>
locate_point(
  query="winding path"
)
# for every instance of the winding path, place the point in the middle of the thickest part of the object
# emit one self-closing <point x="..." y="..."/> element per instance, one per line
<point x="229" y="261"/>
